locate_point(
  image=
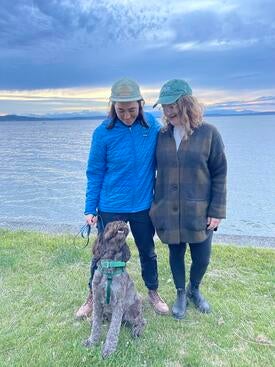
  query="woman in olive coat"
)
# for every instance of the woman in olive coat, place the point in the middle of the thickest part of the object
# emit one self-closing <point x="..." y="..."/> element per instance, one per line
<point x="190" y="190"/>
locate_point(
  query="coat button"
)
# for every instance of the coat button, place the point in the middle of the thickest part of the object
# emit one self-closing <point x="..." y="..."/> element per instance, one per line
<point x="175" y="208"/>
<point x="174" y="187"/>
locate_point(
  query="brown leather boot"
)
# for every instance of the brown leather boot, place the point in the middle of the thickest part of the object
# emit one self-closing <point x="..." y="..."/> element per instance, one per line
<point x="86" y="309"/>
<point x="157" y="303"/>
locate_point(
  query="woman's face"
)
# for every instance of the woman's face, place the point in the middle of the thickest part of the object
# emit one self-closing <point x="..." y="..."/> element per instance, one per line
<point x="127" y="112"/>
<point x="172" y="113"/>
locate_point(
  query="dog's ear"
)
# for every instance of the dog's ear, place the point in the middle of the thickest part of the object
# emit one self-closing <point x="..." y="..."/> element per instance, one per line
<point x="98" y="247"/>
<point x="126" y="254"/>
<point x="109" y="232"/>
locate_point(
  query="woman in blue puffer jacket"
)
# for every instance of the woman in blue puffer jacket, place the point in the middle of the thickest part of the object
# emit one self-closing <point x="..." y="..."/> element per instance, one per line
<point x="120" y="180"/>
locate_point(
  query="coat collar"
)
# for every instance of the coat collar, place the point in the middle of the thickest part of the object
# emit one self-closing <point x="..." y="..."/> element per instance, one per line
<point x="169" y="128"/>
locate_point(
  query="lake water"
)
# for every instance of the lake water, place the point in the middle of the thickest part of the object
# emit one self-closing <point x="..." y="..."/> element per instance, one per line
<point x="42" y="173"/>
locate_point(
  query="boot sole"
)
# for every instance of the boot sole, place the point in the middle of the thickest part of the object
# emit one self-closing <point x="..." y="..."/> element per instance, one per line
<point x="160" y="313"/>
<point x="156" y="311"/>
<point x="81" y="318"/>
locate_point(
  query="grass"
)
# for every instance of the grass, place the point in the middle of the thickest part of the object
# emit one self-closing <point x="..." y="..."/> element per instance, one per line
<point x="43" y="280"/>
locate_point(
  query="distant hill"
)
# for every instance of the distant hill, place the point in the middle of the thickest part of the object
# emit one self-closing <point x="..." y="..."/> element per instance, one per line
<point x="47" y="118"/>
<point x="158" y="114"/>
<point x="223" y="112"/>
<point x="18" y="118"/>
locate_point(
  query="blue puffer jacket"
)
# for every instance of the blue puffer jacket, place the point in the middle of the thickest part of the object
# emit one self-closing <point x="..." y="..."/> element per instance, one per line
<point x="121" y="167"/>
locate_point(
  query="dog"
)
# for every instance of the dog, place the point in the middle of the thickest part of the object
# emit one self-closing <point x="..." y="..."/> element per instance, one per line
<point x="114" y="294"/>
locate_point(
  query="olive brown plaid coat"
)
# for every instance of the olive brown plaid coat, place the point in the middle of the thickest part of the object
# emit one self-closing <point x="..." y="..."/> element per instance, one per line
<point x="190" y="184"/>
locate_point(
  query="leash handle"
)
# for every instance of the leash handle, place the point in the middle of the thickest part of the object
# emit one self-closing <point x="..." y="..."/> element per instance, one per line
<point x="85" y="233"/>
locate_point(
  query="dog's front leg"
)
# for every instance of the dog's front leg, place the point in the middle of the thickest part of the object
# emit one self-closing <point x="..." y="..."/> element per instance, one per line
<point x="96" y="324"/>
<point x="113" y="333"/>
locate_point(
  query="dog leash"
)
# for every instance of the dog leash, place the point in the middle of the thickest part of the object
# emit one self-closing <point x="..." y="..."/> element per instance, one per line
<point x="85" y="231"/>
<point x="110" y="268"/>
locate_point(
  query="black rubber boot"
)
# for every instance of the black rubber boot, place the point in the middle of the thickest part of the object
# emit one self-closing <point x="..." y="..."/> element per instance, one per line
<point x="179" y="307"/>
<point x="195" y="296"/>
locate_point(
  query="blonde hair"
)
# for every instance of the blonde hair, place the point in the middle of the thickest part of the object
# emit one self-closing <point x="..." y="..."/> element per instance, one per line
<point x="190" y="112"/>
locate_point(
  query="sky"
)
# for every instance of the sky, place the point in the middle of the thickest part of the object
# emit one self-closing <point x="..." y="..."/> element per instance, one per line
<point x="60" y="56"/>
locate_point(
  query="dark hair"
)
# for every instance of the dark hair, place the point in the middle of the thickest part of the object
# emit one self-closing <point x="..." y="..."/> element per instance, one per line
<point x="113" y="115"/>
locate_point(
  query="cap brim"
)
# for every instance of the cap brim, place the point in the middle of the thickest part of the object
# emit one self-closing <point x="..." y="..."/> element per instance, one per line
<point x="156" y="104"/>
<point x="167" y="100"/>
<point x="129" y="99"/>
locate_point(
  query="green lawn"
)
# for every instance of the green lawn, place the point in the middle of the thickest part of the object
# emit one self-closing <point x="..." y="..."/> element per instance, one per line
<point x="43" y="280"/>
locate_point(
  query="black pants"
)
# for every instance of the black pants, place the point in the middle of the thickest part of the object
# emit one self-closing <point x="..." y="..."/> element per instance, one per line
<point x="200" y="255"/>
<point x="143" y="233"/>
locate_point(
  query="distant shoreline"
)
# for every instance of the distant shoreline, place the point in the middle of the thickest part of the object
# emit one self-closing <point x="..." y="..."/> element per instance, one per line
<point x="225" y="239"/>
<point x="29" y="118"/>
<point x="100" y="117"/>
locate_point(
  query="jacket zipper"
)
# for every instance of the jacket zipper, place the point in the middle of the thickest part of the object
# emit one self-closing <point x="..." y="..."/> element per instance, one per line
<point x="135" y="166"/>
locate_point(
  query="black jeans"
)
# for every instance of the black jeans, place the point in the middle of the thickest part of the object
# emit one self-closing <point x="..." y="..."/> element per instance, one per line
<point x="200" y="255"/>
<point x="143" y="233"/>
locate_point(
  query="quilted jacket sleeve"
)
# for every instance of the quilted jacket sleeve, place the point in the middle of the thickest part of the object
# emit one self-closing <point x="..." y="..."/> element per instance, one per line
<point x="95" y="172"/>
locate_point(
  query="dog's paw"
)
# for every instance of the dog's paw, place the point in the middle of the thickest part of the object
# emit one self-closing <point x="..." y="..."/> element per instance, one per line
<point x="137" y="331"/>
<point x="88" y="343"/>
<point x="106" y="352"/>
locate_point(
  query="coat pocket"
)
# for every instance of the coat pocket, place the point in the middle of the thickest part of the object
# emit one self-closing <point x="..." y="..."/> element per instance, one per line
<point x="195" y="215"/>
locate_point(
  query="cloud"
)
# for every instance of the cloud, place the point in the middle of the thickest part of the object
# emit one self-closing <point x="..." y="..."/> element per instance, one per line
<point x="215" y="45"/>
<point x="44" y="101"/>
<point x="78" y="43"/>
<point x="226" y="29"/>
<point x="261" y="104"/>
<point x="93" y="23"/>
<point x="69" y="43"/>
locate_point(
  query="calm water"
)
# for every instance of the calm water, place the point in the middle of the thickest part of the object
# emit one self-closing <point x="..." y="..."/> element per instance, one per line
<point x="42" y="173"/>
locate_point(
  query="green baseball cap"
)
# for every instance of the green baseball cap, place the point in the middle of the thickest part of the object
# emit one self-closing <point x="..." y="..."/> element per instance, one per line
<point x="172" y="90"/>
<point x="125" y="90"/>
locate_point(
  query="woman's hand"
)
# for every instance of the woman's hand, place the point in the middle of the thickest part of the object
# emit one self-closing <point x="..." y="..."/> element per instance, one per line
<point x="213" y="223"/>
<point x="91" y="219"/>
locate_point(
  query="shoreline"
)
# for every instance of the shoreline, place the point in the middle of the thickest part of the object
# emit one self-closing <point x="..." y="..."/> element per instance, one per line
<point x="218" y="238"/>
<point x="244" y="240"/>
